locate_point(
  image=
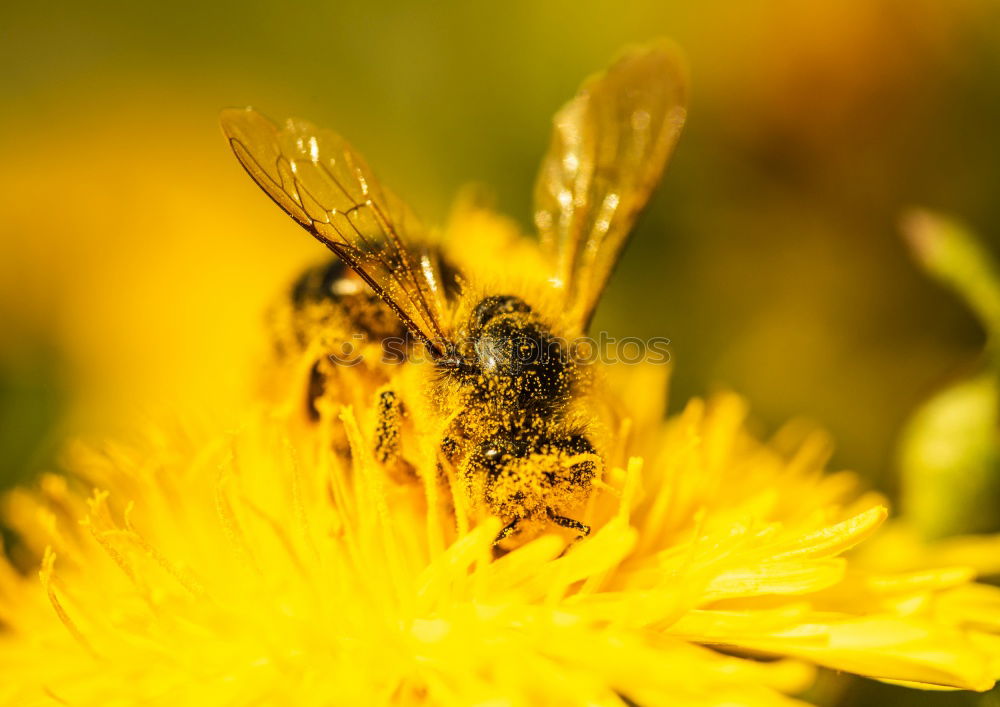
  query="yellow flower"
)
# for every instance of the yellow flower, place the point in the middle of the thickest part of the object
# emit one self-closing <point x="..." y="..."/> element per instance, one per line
<point x="261" y="567"/>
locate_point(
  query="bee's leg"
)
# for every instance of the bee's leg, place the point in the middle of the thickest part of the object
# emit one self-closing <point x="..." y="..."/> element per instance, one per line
<point x="506" y="532"/>
<point x="565" y="522"/>
<point x="450" y="447"/>
<point x="389" y="411"/>
<point x="315" y="391"/>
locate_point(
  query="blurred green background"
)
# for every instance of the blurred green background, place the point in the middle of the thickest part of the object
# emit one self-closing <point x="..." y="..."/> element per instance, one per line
<point x="136" y="258"/>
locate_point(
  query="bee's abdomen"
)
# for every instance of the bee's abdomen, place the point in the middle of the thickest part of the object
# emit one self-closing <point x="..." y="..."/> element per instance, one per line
<point x="332" y="317"/>
<point x="331" y="294"/>
<point x="317" y="282"/>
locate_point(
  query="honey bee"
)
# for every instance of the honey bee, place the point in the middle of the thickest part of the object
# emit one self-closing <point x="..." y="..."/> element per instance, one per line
<point x="503" y="378"/>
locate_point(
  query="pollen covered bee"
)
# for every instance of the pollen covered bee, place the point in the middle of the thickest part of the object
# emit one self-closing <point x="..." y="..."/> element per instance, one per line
<point x="515" y="424"/>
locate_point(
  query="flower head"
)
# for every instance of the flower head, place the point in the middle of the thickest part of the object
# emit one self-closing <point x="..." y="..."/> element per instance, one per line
<point x="263" y="566"/>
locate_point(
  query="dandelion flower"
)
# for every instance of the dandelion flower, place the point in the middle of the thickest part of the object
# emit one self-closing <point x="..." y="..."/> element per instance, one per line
<point x="293" y="562"/>
<point x="263" y="567"/>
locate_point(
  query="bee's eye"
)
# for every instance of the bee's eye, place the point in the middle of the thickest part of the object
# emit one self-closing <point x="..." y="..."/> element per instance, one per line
<point x="492" y="453"/>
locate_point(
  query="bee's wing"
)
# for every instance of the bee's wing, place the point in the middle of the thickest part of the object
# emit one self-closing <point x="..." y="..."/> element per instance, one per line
<point x="325" y="185"/>
<point x="609" y="147"/>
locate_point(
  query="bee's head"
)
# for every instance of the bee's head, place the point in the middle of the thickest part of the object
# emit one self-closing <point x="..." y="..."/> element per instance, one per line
<point x="523" y="478"/>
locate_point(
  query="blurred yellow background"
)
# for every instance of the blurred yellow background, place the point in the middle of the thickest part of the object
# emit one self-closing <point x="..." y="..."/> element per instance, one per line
<point x="136" y="257"/>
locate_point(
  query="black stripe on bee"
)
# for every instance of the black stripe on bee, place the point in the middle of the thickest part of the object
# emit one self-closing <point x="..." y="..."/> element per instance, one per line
<point x="334" y="287"/>
<point x="318" y="283"/>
